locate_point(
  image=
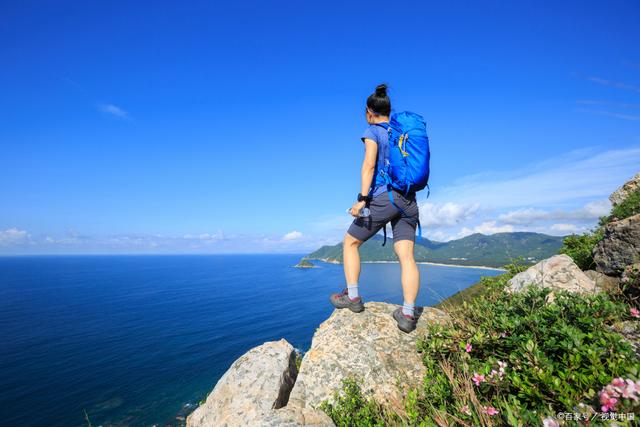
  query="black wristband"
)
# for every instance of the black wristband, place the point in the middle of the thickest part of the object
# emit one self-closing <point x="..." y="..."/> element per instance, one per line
<point x="362" y="198"/>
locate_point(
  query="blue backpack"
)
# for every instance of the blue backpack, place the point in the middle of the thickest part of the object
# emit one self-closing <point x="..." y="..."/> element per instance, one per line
<point x="407" y="165"/>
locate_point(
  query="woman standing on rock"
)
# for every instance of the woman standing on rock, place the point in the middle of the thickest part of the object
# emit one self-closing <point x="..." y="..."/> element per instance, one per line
<point x="385" y="205"/>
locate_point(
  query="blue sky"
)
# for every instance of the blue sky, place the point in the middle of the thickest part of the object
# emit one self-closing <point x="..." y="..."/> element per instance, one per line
<point x="133" y="127"/>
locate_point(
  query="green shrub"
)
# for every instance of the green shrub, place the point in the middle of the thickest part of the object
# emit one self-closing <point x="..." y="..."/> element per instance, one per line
<point x="517" y="265"/>
<point x="580" y="248"/>
<point x="529" y="357"/>
<point x="352" y="409"/>
<point x="629" y="207"/>
<point x="510" y="359"/>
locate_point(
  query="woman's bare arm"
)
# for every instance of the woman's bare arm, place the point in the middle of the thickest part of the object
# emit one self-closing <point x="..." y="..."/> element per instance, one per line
<point x="368" y="167"/>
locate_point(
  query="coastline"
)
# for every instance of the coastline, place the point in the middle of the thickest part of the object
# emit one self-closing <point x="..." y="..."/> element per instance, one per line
<point x="481" y="267"/>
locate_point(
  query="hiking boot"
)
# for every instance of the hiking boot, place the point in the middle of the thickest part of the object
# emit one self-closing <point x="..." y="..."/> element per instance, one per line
<point x="342" y="300"/>
<point x="405" y="322"/>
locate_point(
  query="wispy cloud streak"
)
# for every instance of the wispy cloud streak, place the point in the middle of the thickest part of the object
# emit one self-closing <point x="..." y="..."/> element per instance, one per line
<point x="617" y="85"/>
<point x="566" y="179"/>
<point x="114" y="110"/>
<point x="606" y="103"/>
<point x="630" y="117"/>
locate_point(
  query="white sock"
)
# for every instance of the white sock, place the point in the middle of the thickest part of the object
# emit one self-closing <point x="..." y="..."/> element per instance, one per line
<point x="408" y="308"/>
<point x="353" y="291"/>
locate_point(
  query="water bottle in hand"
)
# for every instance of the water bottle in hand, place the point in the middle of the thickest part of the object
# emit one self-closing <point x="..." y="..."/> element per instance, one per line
<point x="364" y="212"/>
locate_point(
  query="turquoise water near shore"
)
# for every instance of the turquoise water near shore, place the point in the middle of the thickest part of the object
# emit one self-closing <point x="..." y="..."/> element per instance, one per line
<point x="138" y="340"/>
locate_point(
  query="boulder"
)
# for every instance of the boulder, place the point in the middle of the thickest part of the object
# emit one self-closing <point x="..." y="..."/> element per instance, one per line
<point x="558" y="273"/>
<point x="621" y="193"/>
<point x="619" y="247"/>
<point x="291" y="416"/>
<point x="256" y="383"/>
<point x="367" y="347"/>
<point x="604" y="282"/>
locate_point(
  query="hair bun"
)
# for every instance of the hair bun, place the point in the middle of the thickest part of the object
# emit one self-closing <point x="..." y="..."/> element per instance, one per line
<point x="381" y="90"/>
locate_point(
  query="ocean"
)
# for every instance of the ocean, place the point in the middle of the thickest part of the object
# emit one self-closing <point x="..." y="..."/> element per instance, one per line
<point x="138" y="340"/>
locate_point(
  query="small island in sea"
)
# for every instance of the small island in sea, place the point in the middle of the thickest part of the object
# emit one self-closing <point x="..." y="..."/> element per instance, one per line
<point x="304" y="263"/>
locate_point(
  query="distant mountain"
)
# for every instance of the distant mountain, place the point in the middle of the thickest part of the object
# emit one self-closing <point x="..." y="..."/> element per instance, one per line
<point x="495" y="250"/>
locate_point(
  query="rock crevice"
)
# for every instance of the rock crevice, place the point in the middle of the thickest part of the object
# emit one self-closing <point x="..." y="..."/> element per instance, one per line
<point x="264" y="388"/>
<point x="258" y="382"/>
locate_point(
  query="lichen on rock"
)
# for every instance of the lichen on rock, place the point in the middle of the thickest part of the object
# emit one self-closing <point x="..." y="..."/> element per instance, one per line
<point x="367" y="347"/>
<point x="619" y="247"/>
<point x="256" y="383"/>
<point x="623" y="192"/>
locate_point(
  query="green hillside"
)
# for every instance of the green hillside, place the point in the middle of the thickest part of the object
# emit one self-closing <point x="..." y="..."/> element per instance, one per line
<point x="495" y="250"/>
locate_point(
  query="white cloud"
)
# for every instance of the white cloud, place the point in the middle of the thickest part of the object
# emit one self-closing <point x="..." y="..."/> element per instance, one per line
<point x="565" y="228"/>
<point x="527" y="216"/>
<point x="447" y="214"/>
<point x="204" y="237"/>
<point x="524" y="216"/>
<point x="564" y="180"/>
<point x="294" y="235"/>
<point x="490" y="227"/>
<point x="594" y="210"/>
<point x="113" y="110"/>
<point x="14" y="237"/>
<point x="218" y="242"/>
<point x="438" y="235"/>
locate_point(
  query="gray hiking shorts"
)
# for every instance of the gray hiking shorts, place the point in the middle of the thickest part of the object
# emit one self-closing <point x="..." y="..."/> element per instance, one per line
<point x="382" y="212"/>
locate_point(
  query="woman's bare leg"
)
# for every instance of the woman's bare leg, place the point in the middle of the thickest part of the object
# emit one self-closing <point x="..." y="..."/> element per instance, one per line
<point x="351" y="259"/>
<point x="410" y="272"/>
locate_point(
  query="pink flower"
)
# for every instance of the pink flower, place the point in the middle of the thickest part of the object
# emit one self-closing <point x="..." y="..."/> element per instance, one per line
<point x="618" y="382"/>
<point x="611" y="406"/>
<point x="607" y="400"/>
<point x="550" y="422"/>
<point x="465" y="410"/>
<point x="493" y="373"/>
<point x="630" y="390"/>
<point x="634" y="312"/>
<point x="477" y="378"/>
<point x="468" y="347"/>
<point x="490" y="410"/>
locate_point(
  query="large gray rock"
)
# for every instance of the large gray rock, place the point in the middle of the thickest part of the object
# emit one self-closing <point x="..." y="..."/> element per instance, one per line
<point x="619" y="247"/>
<point x="368" y="347"/>
<point x="604" y="282"/>
<point x="291" y="416"/>
<point x="558" y="273"/>
<point x="256" y="383"/>
<point x="621" y="193"/>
